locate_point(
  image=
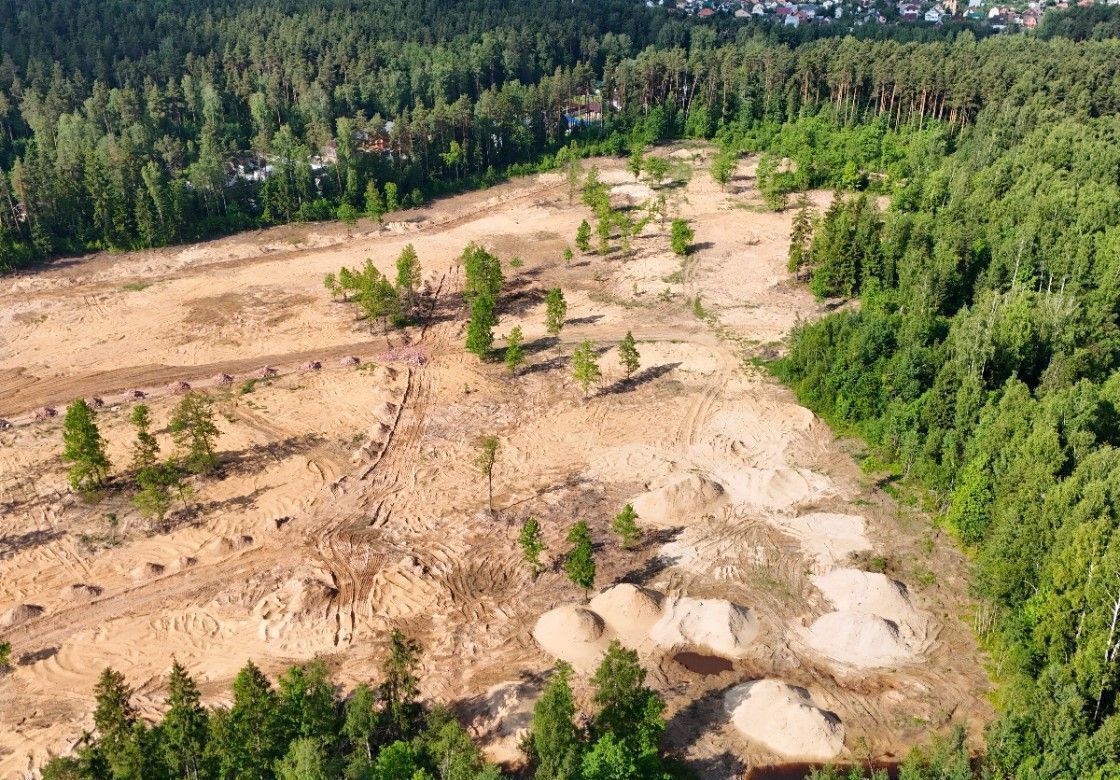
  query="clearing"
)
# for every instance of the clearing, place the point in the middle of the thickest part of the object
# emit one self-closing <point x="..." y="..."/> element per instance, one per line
<point x="787" y="608"/>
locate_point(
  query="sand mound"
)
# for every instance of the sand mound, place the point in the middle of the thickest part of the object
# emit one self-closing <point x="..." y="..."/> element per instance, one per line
<point x="724" y="628"/>
<point x="350" y="361"/>
<point x="631" y="193"/>
<point x="95" y="402"/>
<point x="186" y="562"/>
<point x="628" y="611"/>
<point x="572" y="634"/>
<point x="311" y="365"/>
<point x="858" y="639"/>
<point x="20" y="613"/>
<point x="265" y="371"/>
<point x="774" y="488"/>
<point x="309" y="594"/>
<point x="134" y="395"/>
<point x="79" y="592"/>
<point x="785" y="719"/>
<point x="863" y="591"/>
<point x="147" y="571"/>
<point x="828" y="539"/>
<point x="223" y="379"/>
<point x="45" y="413"/>
<point x="178" y="387"/>
<point x="4" y="424"/>
<point x="687" y="498"/>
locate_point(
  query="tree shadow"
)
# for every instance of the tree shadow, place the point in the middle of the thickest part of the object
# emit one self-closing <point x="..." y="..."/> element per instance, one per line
<point x="640" y="378"/>
<point x="700" y="245"/>
<point x="13" y="543"/>
<point x="26" y="659"/>
<point x="589" y="320"/>
<point x="557" y="361"/>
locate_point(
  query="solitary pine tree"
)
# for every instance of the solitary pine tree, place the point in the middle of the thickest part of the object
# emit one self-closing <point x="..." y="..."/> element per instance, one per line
<point x="375" y="205"/>
<point x="84" y="448"/>
<point x="485" y="460"/>
<point x="330" y="282"/>
<point x="680" y="236"/>
<point x="723" y="166"/>
<point x="580" y="563"/>
<point x="480" y="329"/>
<point x="624" y="525"/>
<point x="627" y="708"/>
<point x="555" y="736"/>
<point x="636" y="162"/>
<point x="515" y="350"/>
<point x="801" y="235"/>
<point x="5" y="654"/>
<point x="532" y="545"/>
<point x="555" y="313"/>
<point x="567" y="255"/>
<point x="192" y="425"/>
<point x="628" y="355"/>
<point x="583" y="236"/>
<point x="585" y="366"/>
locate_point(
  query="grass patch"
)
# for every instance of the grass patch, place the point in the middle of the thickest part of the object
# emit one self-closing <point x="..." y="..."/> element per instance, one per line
<point x="136" y="286"/>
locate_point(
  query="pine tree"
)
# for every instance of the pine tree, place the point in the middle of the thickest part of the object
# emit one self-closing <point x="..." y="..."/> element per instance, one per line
<point x="627" y="708"/>
<point x="408" y="276"/>
<point x="583" y="236"/>
<point x="375" y="206"/>
<point x="331" y="285"/>
<point x="399" y="689"/>
<point x="532" y="545"/>
<point x="83" y="446"/>
<point x="625" y="527"/>
<point x="305" y="702"/>
<point x="680" y="236"/>
<point x="392" y="202"/>
<point x="5" y="654"/>
<point x="115" y="719"/>
<point x="251" y="738"/>
<point x="185" y="729"/>
<point x="487" y="456"/>
<point x="580" y="563"/>
<point x="145" y="451"/>
<point x="628" y="355"/>
<point x="192" y="425"/>
<point x="515" y="350"/>
<point x="480" y="329"/>
<point x="554" y="736"/>
<point x="585" y="366"/>
<point x="555" y="313"/>
<point x="801" y="236"/>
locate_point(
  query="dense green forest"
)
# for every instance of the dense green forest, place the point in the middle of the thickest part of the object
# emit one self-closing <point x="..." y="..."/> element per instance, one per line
<point x="141" y="124"/>
<point x="983" y="362"/>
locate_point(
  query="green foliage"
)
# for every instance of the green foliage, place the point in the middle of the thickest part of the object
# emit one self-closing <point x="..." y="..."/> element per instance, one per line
<point x="555" y="738"/>
<point x="845" y="251"/>
<point x="680" y="237"/>
<point x="583" y="236"/>
<point x="515" y="349"/>
<point x="628" y="356"/>
<point x="723" y="166"/>
<point x="580" y="563"/>
<point x="480" y="328"/>
<point x="555" y="311"/>
<point x="82" y="446"/>
<point x="408" y="277"/>
<point x="585" y="365"/>
<point x="400" y="686"/>
<point x="532" y="545"/>
<point x="5" y="654"/>
<point x="800" y="237"/>
<point x="628" y="710"/>
<point x="192" y="426"/>
<point x="657" y="169"/>
<point x="625" y="526"/>
<point x="485" y="460"/>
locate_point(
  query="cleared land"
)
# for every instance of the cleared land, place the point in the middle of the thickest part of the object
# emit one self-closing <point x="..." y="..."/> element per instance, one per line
<point x="347" y="502"/>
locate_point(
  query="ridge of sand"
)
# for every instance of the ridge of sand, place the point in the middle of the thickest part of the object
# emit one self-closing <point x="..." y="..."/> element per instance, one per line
<point x="714" y="624"/>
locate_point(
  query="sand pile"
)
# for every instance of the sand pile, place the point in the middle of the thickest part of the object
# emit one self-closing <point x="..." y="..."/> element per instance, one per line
<point x="147" y="571"/>
<point x="874" y="624"/>
<point x="865" y="591"/>
<point x="572" y="634"/>
<point x="628" y="611"/>
<point x="631" y="193"/>
<point x="679" y="501"/>
<point x="19" y="614"/>
<point x="785" y="719"/>
<point x="859" y="639"/>
<point x="774" y="488"/>
<point x="724" y="628"/>
<point x="827" y="539"/>
<point x="79" y="592"/>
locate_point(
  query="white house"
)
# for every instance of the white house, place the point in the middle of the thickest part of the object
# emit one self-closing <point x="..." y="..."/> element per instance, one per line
<point x="933" y="15"/>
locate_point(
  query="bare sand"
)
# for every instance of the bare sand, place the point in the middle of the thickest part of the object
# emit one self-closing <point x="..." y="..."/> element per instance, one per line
<point x="347" y="502"/>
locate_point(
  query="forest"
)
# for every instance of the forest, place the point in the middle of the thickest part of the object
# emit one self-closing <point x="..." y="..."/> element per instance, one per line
<point x="163" y="122"/>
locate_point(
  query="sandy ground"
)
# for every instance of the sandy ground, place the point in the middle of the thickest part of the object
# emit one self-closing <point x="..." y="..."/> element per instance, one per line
<point x="347" y="502"/>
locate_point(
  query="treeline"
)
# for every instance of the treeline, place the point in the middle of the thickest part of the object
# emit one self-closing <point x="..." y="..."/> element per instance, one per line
<point x="303" y="728"/>
<point x="115" y="135"/>
<point x="983" y="363"/>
